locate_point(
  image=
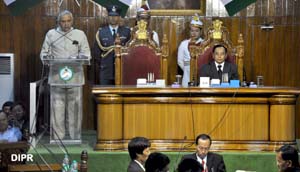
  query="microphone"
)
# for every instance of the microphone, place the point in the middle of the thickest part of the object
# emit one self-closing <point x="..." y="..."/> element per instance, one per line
<point x="52" y="154"/>
<point x="179" y="152"/>
<point x="64" y="35"/>
<point x="65" y="150"/>
<point x="49" y="53"/>
<point x="41" y="157"/>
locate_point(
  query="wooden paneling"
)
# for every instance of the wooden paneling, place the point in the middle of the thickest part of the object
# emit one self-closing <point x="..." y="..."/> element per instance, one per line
<point x="222" y="121"/>
<point x="273" y="55"/>
<point x="247" y="118"/>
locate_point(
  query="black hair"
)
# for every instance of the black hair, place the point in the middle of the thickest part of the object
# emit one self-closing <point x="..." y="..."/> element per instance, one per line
<point x="156" y="162"/>
<point x="203" y="137"/>
<point x="189" y="165"/>
<point x="23" y="106"/>
<point x="218" y="46"/>
<point x="288" y="152"/>
<point x="8" y="103"/>
<point x="20" y="104"/>
<point x="137" y="145"/>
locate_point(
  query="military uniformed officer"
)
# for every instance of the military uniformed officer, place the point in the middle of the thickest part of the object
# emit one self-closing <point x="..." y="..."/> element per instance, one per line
<point x="104" y="45"/>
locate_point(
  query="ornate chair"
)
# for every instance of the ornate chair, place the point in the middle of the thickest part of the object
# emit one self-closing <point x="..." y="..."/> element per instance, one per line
<point x="140" y="56"/>
<point x="202" y="54"/>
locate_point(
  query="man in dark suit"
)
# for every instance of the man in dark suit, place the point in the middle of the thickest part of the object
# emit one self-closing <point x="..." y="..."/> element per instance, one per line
<point x="139" y="150"/>
<point x="287" y="159"/>
<point x="219" y="67"/>
<point x="104" y="45"/>
<point x="211" y="162"/>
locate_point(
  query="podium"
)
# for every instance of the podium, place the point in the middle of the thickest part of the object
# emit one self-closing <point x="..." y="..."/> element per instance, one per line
<point x="66" y="77"/>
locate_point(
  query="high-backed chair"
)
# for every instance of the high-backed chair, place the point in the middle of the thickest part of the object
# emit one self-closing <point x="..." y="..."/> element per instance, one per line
<point x="202" y="53"/>
<point x="140" y="56"/>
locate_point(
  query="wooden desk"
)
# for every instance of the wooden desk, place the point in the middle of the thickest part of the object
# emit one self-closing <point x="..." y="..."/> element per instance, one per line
<point x="236" y="118"/>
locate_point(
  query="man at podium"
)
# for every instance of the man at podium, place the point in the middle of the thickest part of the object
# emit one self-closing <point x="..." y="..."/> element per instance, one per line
<point x="65" y="49"/>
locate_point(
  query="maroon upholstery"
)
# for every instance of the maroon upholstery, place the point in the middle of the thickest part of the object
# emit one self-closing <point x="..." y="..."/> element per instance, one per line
<point x="137" y="63"/>
<point x="207" y="56"/>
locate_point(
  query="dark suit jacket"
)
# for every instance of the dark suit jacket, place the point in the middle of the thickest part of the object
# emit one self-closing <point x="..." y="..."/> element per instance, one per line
<point x="293" y="169"/>
<point x="210" y="70"/>
<point x="134" y="167"/>
<point x="107" y="63"/>
<point x="215" y="162"/>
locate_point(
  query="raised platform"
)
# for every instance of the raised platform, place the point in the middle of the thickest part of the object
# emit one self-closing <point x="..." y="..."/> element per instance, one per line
<point x="238" y="119"/>
<point x="117" y="161"/>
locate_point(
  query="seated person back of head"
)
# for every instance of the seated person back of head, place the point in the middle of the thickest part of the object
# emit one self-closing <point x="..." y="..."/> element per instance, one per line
<point x="8" y="133"/>
<point x="139" y="150"/>
<point x="157" y="162"/>
<point x="219" y="66"/>
<point x="287" y="159"/>
<point x="189" y="165"/>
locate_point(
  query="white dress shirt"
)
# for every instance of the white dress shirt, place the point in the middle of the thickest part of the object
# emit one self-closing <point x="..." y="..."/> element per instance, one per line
<point x="217" y="64"/>
<point x="200" y="161"/>
<point x="111" y="29"/>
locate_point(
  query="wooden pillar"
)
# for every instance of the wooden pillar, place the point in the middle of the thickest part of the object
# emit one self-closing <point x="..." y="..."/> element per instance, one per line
<point x="282" y="118"/>
<point x="109" y="122"/>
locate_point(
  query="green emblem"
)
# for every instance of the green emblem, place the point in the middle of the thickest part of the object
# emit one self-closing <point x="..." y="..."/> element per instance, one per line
<point x="66" y="73"/>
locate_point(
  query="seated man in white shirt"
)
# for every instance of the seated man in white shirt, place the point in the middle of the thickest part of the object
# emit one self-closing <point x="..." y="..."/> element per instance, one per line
<point x="8" y="133"/>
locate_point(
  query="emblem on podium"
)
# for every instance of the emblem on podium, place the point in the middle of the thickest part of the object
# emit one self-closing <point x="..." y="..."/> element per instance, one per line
<point x="66" y="73"/>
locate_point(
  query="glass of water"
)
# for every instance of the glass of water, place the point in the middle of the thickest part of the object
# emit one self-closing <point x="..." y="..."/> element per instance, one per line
<point x="260" y="81"/>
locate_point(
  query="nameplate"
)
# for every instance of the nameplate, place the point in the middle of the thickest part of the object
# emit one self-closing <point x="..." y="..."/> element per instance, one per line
<point x="204" y="82"/>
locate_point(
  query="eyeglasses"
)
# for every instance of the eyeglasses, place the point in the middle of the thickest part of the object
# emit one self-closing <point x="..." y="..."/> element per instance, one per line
<point x="203" y="148"/>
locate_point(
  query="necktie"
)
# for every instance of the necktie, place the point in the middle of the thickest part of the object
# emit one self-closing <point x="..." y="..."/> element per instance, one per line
<point x="203" y="165"/>
<point x="114" y="33"/>
<point x="220" y="72"/>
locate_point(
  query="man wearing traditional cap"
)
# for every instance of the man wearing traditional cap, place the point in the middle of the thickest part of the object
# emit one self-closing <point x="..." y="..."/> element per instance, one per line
<point x="104" y="45"/>
<point x="183" y="56"/>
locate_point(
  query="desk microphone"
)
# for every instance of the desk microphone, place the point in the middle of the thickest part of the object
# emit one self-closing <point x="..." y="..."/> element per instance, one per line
<point x="65" y="36"/>
<point x="179" y="152"/>
<point x="41" y="157"/>
<point x="49" y="53"/>
<point x="191" y="84"/>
